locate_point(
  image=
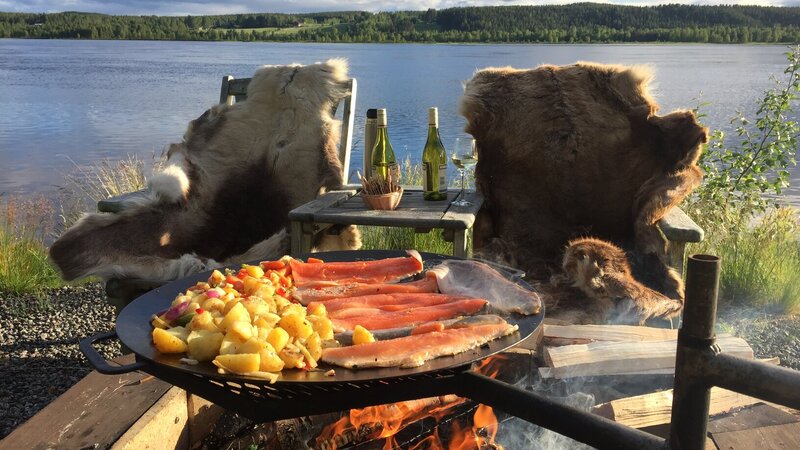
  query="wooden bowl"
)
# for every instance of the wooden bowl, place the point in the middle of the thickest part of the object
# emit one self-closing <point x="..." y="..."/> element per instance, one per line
<point x="386" y="202"/>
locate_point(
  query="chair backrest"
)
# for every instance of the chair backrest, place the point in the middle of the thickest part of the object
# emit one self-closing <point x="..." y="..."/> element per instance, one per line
<point x="235" y="90"/>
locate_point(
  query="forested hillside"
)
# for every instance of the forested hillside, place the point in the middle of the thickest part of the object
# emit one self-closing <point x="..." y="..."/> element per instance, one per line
<point x="582" y="22"/>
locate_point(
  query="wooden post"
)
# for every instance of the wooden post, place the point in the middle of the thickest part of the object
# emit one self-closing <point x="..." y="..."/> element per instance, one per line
<point x="347" y="131"/>
<point x="223" y="93"/>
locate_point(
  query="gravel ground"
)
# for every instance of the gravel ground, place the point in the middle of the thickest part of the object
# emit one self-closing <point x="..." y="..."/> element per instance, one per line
<point x="39" y="356"/>
<point x="770" y="335"/>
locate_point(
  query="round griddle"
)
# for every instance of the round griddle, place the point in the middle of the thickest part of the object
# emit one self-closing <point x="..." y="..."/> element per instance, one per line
<point x="134" y="330"/>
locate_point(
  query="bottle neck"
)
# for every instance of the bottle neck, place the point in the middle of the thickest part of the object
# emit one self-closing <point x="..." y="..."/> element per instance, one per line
<point x="433" y="134"/>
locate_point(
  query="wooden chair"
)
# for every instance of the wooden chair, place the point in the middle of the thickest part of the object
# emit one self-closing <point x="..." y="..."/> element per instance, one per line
<point x="121" y="291"/>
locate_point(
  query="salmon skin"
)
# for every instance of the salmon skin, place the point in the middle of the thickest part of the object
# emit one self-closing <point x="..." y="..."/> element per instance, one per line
<point x="474" y="278"/>
<point x="316" y="292"/>
<point x="381" y="320"/>
<point x="386" y="302"/>
<point x="414" y="350"/>
<point x="365" y="272"/>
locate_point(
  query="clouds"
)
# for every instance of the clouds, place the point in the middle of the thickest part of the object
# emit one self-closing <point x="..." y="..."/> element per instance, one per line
<point x="208" y="7"/>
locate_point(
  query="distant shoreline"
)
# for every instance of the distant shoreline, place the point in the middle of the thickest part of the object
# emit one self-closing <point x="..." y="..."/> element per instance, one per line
<point x="577" y="23"/>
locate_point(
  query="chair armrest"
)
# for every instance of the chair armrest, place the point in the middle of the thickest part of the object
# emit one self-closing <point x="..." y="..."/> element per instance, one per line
<point x="678" y="227"/>
<point x="121" y="202"/>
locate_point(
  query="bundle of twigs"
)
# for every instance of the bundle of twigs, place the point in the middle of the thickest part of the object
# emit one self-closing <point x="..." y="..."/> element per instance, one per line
<point x="377" y="185"/>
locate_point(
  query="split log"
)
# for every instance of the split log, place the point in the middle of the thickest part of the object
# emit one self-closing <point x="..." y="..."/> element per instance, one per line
<point x="558" y="335"/>
<point x="656" y="408"/>
<point x="620" y="358"/>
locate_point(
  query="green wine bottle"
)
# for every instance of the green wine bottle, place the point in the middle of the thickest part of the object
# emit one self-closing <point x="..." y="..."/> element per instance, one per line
<point x="434" y="161"/>
<point x="383" y="160"/>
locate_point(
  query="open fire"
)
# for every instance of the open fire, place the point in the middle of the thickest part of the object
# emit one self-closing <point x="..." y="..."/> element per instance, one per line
<point x="453" y="428"/>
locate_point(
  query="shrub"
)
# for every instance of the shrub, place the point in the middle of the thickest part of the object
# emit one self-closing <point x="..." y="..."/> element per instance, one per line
<point x="739" y="203"/>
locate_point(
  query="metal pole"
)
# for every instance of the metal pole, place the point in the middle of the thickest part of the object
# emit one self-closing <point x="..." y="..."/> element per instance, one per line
<point x="692" y="392"/>
<point x="756" y="379"/>
<point x="577" y="424"/>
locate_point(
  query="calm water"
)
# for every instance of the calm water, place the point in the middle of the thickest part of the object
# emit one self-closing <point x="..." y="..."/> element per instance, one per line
<point x="67" y="103"/>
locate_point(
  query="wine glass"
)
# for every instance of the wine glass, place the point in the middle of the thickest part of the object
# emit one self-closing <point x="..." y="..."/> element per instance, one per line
<point x="464" y="157"/>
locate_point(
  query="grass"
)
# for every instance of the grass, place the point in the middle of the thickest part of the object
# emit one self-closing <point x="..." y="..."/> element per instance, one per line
<point x="378" y="238"/>
<point x="24" y="266"/>
<point x="760" y="261"/>
<point x="84" y="187"/>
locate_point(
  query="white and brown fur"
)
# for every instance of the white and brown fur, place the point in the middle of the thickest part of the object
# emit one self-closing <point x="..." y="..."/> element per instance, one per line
<point x="573" y="151"/>
<point x="226" y="191"/>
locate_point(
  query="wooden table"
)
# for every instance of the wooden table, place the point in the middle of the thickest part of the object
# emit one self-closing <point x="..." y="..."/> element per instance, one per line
<point x="345" y="207"/>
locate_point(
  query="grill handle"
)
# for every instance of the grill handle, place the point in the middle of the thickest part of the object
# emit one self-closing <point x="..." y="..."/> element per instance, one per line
<point x="98" y="362"/>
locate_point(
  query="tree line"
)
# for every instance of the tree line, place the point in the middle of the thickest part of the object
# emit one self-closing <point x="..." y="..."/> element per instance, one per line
<point x="575" y="23"/>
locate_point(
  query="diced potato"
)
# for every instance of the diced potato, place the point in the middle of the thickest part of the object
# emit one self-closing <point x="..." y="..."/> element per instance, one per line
<point x="236" y="314"/>
<point x="216" y="278"/>
<point x="179" y="332"/>
<point x="251" y="285"/>
<point x="240" y="330"/>
<point x="263" y="333"/>
<point x="278" y="338"/>
<point x="241" y="363"/>
<point x="314" y="346"/>
<point x="293" y="308"/>
<point x="292" y="357"/>
<point x="214" y="304"/>
<point x="167" y="343"/>
<point x="252" y="345"/>
<point x="318" y="309"/>
<point x="281" y="302"/>
<point x="323" y="326"/>
<point x="229" y="345"/>
<point x="362" y="336"/>
<point x="255" y="306"/>
<point x="270" y="320"/>
<point x="296" y="325"/>
<point x="270" y="361"/>
<point x="203" y="321"/>
<point x="266" y="291"/>
<point x="254" y="271"/>
<point x="229" y="304"/>
<point x="204" y="345"/>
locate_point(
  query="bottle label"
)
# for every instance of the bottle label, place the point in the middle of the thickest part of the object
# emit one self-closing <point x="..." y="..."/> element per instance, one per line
<point x="443" y="178"/>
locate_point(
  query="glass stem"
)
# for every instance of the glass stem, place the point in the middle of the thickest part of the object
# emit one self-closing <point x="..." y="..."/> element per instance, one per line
<point x="462" y="182"/>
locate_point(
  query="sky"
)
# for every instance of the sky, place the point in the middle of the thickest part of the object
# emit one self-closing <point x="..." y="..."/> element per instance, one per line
<point x="208" y="7"/>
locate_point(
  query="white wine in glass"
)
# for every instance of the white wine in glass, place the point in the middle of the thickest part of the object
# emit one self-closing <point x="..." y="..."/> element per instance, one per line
<point x="464" y="157"/>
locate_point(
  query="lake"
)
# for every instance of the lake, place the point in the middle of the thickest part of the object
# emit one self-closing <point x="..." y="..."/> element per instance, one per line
<point x="71" y="103"/>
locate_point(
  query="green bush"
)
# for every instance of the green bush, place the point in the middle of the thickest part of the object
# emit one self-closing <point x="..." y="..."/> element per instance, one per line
<point x="740" y="204"/>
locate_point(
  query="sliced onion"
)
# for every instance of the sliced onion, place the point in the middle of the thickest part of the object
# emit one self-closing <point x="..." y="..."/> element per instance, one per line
<point x="176" y="311"/>
<point x="212" y="293"/>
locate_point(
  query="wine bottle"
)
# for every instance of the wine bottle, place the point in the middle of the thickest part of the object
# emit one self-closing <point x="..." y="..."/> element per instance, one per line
<point x="383" y="160"/>
<point x="434" y="161"/>
<point x="370" y="130"/>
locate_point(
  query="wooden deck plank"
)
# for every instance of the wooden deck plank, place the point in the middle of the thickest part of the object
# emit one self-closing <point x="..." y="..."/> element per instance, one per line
<point x="93" y="413"/>
<point x="778" y="437"/>
<point x="757" y="416"/>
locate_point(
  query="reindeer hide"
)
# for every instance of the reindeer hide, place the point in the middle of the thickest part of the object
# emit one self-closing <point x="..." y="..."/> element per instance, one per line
<point x="228" y="186"/>
<point x="575" y="151"/>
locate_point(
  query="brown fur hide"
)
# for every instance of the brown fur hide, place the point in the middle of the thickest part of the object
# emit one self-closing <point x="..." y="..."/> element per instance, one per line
<point x="229" y="185"/>
<point x="575" y="151"/>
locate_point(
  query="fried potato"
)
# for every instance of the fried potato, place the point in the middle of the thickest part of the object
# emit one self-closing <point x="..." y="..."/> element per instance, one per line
<point x="166" y="342"/>
<point x="239" y="363"/>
